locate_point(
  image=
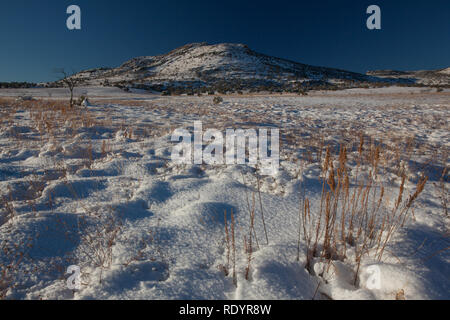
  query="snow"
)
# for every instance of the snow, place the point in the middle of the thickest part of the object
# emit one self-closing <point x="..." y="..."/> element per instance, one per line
<point x="445" y="71"/>
<point x="206" y="64"/>
<point x="58" y="93"/>
<point x="72" y="188"/>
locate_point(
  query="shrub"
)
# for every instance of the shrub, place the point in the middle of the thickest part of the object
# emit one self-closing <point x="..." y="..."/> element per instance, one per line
<point x="302" y="92"/>
<point x="217" y="100"/>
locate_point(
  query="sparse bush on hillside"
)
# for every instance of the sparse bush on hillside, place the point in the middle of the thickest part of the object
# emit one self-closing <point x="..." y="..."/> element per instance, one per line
<point x="302" y="92"/>
<point x="218" y="100"/>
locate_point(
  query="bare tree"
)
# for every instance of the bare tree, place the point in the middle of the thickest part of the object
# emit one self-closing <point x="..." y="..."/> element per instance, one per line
<point x="69" y="81"/>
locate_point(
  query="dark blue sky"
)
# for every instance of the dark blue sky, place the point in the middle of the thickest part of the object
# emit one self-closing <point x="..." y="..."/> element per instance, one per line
<point x="34" y="39"/>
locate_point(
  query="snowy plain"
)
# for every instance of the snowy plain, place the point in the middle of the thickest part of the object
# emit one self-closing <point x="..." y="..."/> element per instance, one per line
<point x="99" y="190"/>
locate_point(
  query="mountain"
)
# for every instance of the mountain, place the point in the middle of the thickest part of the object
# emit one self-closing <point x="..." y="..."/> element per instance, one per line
<point x="221" y="67"/>
<point x="425" y="77"/>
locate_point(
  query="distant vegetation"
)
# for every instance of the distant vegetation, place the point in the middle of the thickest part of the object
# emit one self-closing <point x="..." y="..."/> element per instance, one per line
<point x="238" y="86"/>
<point x="15" y="85"/>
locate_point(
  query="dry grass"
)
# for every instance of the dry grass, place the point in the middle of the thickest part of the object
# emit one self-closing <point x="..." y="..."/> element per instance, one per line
<point x="355" y="211"/>
<point x="442" y="191"/>
<point x="55" y="122"/>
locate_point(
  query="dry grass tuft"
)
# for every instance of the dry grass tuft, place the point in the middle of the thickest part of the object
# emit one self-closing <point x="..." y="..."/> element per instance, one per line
<point x="355" y="210"/>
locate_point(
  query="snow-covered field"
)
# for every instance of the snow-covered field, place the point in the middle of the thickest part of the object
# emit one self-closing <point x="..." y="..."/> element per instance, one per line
<point x="95" y="187"/>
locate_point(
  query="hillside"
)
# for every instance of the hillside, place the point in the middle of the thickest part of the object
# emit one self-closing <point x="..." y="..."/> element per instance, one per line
<point x="425" y="77"/>
<point x="220" y="67"/>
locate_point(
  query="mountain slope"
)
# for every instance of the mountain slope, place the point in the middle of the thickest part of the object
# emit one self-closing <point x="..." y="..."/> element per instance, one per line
<point x="232" y="66"/>
<point x="425" y="77"/>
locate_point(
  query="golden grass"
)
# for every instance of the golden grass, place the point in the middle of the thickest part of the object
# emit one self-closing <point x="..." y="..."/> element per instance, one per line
<point x="355" y="210"/>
